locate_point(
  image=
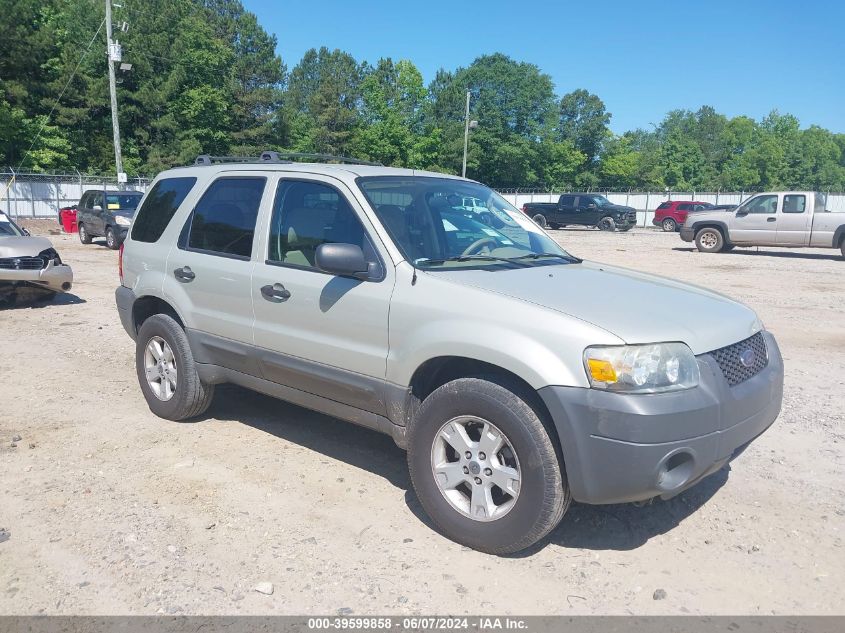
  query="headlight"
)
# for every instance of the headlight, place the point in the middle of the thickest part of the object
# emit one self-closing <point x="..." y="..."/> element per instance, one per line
<point x="122" y="221"/>
<point x="50" y="255"/>
<point x="641" y="368"/>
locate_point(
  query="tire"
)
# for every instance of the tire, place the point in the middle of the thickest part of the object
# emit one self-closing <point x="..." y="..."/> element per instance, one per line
<point x="606" y="224"/>
<point x="543" y="494"/>
<point x="191" y="397"/>
<point x="669" y="225"/>
<point x="111" y="239"/>
<point x="84" y="237"/>
<point x="709" y="240"/>
<point x="540" y="220"/>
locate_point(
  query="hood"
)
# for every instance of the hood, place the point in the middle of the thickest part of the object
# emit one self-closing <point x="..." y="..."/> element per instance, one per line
<point x="619" y="208"/>
<point x="636" y="307"/>
<point x="24" y="246"/>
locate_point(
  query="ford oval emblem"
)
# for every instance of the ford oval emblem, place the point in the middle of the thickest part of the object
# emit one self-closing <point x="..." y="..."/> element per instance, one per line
<point x="747" y="357"/>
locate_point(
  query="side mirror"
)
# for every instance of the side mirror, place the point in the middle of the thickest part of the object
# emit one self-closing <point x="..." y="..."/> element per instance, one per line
<point x="741" y="214"/>
<point x="346" y="260"/>
<point x="97" y="207"/>
<point x="25" y="232"/>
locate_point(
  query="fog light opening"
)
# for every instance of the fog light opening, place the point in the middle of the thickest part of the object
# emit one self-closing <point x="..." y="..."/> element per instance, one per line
<point x="675" y="470"/>
<point x="66" y="286"/>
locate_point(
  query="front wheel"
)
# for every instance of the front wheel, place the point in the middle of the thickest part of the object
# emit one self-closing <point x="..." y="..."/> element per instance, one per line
<point x="709" y="240"/>
<point x="166" y="370"/>
<point x="606" y="224"/>
<point x="540" y="220"/>
<point x="111" y="239"/>
<point x="84" y="236"/>
<point x="669" y="225"/>
<point x="484" y="466"/>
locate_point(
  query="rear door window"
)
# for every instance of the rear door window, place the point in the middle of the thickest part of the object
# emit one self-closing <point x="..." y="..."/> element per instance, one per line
<point x="684" y="207"/>
<point x="159" y="208"/>
<point x="567" y="201"/>
<point x="794" y="204"/>
<point x="223" y="222"/>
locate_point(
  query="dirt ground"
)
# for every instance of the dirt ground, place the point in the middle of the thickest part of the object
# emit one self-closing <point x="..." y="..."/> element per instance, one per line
<point x="107" y="509"/>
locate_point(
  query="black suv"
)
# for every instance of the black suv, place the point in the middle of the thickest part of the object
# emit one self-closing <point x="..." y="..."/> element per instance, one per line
<point x="582" y="209"/>
<point x="106" y="214"/>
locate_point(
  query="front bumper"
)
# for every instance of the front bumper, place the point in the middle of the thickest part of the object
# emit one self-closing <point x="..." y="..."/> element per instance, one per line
<point x="687" y="234"/>
<point x="54" y="278"/>
<point x="630" y="447"/>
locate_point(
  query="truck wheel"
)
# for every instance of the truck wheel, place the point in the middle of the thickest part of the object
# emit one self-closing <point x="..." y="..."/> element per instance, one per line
<point x="166" y="370"/>
<point x="484" y="466"/>
<point x="111" y="239"/>
<point x="669" y="225"/>
<point x="709" y="240"/>
<point x="540" y="220"/>
<point x="84" y="237"/>
<point x="606" y="224"/>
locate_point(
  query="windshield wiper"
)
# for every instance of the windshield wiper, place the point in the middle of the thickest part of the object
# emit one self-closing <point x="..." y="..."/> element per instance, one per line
<point x="469" y="258"/>
<point x="569" y="258"/>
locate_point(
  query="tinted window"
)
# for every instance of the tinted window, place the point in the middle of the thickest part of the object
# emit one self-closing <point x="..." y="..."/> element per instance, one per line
<point x="665" y="205"/>
<point x="761" y="204"/>
<point x="223" y="222"/>
<point x="794" y="204"/>
<point x="567" y="201"/>
<point x="307" y="214"/>
<point x="122" y="201"/>
<point x="684" y="207"/>
<point x="159" y="207"/>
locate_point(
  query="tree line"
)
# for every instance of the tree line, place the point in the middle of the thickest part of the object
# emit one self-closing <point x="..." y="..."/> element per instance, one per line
<point x="205" y="79"/>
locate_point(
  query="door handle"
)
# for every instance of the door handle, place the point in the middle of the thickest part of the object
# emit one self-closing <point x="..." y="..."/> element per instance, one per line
<point x="276" y="293"/>
<point x="771" y="219"/>
<point x="184" y="274"/>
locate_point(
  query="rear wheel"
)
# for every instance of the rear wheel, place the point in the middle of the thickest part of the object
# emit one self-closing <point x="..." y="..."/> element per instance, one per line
<point x="606" y="224"/>
<point x="709" y="240"/>
<point x="166" y="371"/>
<point x="540" y="220"/>
<point x="84" y="237"/>
<point x="669" y="225"/>
<point x="484" y="466"/>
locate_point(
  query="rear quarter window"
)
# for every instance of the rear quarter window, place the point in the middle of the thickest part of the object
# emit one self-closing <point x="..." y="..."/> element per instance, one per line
<point x="159" y="207"/>
<point x="665" y="205"/>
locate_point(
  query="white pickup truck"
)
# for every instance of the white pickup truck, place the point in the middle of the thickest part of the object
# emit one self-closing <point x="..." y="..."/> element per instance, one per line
<point x="783" y="218"/>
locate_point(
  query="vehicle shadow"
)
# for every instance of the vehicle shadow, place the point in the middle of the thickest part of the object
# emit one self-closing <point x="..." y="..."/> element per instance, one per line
<point x="746" y="252"/>
<point x="39" y="299"/>
<point x="613" y="527"/>
<point x="343" y="441"/>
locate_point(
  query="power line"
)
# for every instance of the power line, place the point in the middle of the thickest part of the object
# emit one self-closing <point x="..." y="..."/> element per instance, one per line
<point x="61" y="94"/>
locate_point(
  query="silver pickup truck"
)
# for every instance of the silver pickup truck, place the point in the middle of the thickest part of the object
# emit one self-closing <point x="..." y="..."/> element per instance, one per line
<point x="783" y="218"/>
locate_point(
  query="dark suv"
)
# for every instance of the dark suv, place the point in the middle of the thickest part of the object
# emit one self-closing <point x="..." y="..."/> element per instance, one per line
<point x="582" y="209"/>
<point x="106" y="214"/>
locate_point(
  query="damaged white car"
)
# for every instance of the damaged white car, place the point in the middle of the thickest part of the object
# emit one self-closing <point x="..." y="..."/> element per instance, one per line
<point x="28" y="262"/>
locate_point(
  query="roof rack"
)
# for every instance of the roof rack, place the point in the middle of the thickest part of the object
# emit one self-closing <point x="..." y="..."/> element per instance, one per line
<point x="281" y="157"/>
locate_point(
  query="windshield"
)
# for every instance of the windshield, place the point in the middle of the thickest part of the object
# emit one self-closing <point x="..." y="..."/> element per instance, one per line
<point x="123" y="201"/>
<point x="8" y="228"/>
<point x="432" y="225"/>
<point x="601" y="201"/>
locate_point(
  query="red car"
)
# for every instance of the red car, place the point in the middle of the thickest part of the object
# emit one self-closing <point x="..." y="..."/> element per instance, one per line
<point x="672" y="215"/>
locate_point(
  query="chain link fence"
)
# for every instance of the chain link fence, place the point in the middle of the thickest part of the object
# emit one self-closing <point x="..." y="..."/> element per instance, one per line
<point x="27" y="195"/>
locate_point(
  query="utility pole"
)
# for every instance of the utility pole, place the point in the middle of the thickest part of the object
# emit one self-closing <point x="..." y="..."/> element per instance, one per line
<point x="466" y="136"/>
<point x="468" y="125"/>
<point x="112" y="55"/>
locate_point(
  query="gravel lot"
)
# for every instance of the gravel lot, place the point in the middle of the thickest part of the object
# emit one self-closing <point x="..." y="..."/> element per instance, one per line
<point x="107" y="509"/>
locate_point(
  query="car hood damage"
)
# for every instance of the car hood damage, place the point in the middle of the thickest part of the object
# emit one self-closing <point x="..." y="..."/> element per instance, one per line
<point x="636" y="307"/>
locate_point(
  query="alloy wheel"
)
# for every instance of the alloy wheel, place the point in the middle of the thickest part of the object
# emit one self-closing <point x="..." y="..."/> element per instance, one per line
<point x="476" y="468"/>
<point x="160" y="368"/>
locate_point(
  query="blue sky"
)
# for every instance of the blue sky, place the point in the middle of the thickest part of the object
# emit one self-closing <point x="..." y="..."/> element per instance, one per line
<point x="643" y="58"/>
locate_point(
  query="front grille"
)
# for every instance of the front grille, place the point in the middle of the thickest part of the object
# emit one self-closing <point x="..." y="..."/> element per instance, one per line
<point x="23" y="263"/>
<point x="731" y="363"/>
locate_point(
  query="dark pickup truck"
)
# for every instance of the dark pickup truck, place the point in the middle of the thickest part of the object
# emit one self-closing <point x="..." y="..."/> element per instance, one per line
<point x="582" y="209"/>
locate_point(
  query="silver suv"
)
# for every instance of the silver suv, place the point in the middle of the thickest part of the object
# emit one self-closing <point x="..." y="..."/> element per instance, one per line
<point x="517" y="376"/>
